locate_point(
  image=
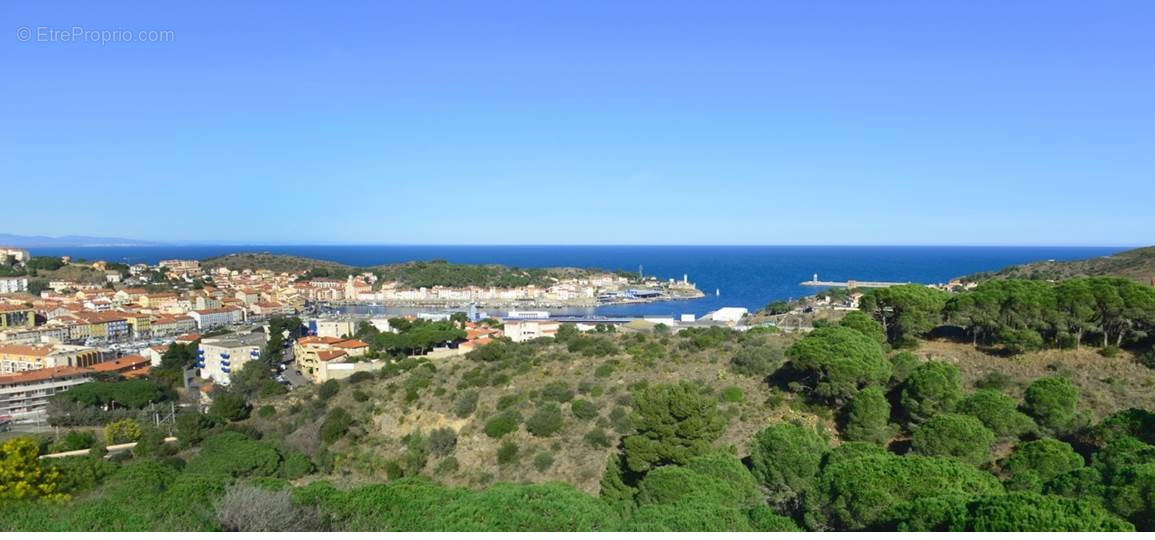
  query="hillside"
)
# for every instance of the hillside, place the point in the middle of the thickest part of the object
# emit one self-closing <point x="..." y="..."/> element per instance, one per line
<point x="276" y="263"/>
<point x="707" y="430"/>
<point x="1136" y="264"/>
<point x="591" y="385"/>
<point x="411" y="274"/>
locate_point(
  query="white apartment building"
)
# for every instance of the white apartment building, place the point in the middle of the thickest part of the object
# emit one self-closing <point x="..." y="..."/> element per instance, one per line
<point x="218" y="357"/>
<point x="13" y="284"/>
<point x="213" y="318"/>
<point x="26" y="395"/>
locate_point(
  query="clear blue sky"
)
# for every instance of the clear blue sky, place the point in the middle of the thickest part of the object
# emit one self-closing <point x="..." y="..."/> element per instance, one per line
<point x="584" y="122"/>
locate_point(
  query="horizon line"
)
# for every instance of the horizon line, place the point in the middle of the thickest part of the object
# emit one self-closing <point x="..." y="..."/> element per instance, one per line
<point x="355" y="244"/>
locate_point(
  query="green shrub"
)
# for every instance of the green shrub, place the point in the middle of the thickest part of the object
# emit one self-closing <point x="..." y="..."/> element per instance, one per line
<point x="597" y="438"/>
<point x="732" y="394"/>
<point x="543" y="461"/>
<point x="785" y="459"/>
<point x="954" y="435"/>
<point x="266" y="411"/>
<point x="336" y="424"/>
<point x="74" y="440"/>
<point x="296" y="465"/>
<point x="229" y="405"/>
<point x="122" y="431"/>
<point x="442" y="441"/>
<point x="328" y="389"/>
<point x="675" y="423"/>
<point x="584" y="409"/>
<point x="502" y="423"/>
<point x="837" y="361"/>
<point x="360" y="376"/>
<point x="1036" y="462"/>
<point x="507" y="453"/>
<point x="999" y="412"/>
<point x="868" y="417"/>
<point x="545" y="421"/>
<point x="604" y="370"/>
<point x="465" y="403"/>
<point x="869" y="491"/>
<point x="557" y="391"/>
<point x="757" y="360"/>
<point x="1052" y="402"/>
<point x="932" y="388"/>
<point x="359" y="395"/>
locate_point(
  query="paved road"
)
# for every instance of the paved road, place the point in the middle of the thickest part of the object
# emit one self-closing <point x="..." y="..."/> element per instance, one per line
<point x="294" y="377"/>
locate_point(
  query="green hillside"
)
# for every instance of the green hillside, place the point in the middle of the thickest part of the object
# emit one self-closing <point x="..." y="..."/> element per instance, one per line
<point x="1136" y="264"/>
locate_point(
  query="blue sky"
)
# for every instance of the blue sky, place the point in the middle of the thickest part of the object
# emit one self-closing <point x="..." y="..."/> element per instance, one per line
<point x="583" y="122"/>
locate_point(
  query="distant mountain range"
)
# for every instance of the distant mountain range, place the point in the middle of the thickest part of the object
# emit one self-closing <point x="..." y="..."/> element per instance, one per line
<point x="15" y="240"/>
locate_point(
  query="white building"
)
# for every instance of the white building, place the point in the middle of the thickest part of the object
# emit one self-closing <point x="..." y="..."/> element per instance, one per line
<point x="727" y="314"/>
<point x="13" y="284"/>
<point x="333" y="327"/>
<point x="526" y="330"/>
<point x="26" y="395"/>
<point x="218" y="357"/>
<point x="213" y="318"/>
<point x="16" y="254"/>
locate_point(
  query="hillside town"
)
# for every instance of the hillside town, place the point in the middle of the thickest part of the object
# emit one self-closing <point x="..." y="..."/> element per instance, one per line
<point x="110" y="318"/>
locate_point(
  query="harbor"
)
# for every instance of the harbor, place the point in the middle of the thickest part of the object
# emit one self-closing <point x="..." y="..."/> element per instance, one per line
<point x="852" y="283"/>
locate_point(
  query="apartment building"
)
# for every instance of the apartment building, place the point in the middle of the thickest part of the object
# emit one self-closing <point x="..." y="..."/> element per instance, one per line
<point x="168" y="325"/>
<point x="214" y="318"/>
<point x="26" y="395"/>
<point x="218" y="357"/>
<point x="10" y="285"/>
<point x="314" y="355"/>
<point x="15" y="358"/>
<point x="12" y="318"/>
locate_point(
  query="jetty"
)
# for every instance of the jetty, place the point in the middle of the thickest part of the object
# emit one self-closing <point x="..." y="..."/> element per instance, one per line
<point x="852" y="284"/>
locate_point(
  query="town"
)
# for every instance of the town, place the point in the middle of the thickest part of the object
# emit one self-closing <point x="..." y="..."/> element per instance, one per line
<point x="89" y="320"/>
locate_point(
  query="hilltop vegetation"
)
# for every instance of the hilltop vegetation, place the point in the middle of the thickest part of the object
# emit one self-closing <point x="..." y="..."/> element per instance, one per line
<point x="410" y="274"/>
<point x="278" y="263"/>
<point x="1136" y="265"/>
<point x="871" y="422"/>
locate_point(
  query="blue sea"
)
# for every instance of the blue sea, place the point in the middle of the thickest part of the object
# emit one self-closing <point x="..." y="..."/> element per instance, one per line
<point x="746" y="276"/>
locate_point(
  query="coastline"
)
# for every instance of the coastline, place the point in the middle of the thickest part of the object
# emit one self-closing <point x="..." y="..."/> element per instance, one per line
<point x="449" y="304"/>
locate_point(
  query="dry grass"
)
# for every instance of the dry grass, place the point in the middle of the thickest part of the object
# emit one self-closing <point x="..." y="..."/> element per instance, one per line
<point x="1107" y="385"/>
<point x="385" y="419"/>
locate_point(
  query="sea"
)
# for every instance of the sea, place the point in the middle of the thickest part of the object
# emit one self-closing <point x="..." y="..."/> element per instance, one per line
<point x="740" y="276"/>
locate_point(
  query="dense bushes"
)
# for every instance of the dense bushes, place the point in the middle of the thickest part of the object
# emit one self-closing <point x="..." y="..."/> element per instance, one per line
<point x="932" y="388"/>
<point x="1052" y="401"/>
<point x="131" y="393"/>
<point x="955" y="435"/>
<point x="998" y="412"/>
<point x="1034" y="463"/>
<point x="837" y="361"/>
<point x="870" y="491"/>
<point x="785" y="459"/>
<point x="868" y="417"/>
<point x="675" y="423"/>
